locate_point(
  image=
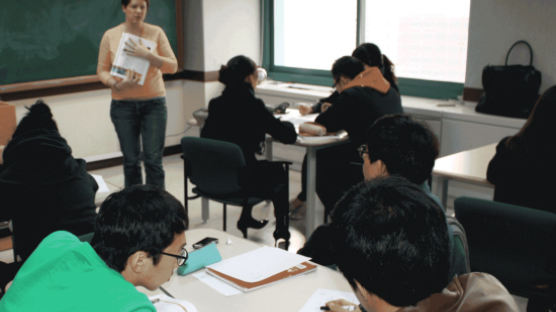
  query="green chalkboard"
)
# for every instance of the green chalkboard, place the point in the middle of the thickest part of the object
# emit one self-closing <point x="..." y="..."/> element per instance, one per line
<point x="48" y="39"/>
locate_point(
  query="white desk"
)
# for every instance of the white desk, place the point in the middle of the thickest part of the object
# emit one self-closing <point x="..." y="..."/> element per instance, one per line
<point x="311" y="144"/>
<point x="286" y="295"/>
<point x="468" y="166"/>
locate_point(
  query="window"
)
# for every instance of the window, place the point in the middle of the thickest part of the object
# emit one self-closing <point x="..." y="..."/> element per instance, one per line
<point x="313" y="41"/>
<point x="426" y="40"/>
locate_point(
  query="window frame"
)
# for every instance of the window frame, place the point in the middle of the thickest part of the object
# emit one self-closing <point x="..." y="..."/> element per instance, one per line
<point x="408" y="86"/>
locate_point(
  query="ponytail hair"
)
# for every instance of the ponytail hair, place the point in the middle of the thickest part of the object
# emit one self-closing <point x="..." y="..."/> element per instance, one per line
<point x="370" y="54"/>
<point x="236" y="70"/>
<point x="38" y="116"/>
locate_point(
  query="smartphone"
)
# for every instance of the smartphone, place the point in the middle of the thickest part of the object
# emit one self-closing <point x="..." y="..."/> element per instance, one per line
<point x="205" y="241"/>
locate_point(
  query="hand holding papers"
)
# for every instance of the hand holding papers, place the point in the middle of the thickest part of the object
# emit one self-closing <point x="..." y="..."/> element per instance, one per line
<point x="260" y="267"/>
<point x="322" y="296"/>
<point x="126" y="64"/>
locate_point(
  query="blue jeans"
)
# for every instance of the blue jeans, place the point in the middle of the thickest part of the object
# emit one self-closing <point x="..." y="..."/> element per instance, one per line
<point x="145" y="119"/>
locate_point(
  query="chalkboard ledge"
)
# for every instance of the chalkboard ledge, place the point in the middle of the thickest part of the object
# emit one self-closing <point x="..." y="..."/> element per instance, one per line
<point x="36" y="89"/>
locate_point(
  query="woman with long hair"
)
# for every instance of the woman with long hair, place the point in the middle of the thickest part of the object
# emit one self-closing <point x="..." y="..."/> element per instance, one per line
<point x="239" y="117"/>
<point x="523" y="165"/>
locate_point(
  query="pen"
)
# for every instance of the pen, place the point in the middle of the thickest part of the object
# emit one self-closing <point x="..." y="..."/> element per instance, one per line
<point x="166" y="292"/>
<point x="346" y="307"/>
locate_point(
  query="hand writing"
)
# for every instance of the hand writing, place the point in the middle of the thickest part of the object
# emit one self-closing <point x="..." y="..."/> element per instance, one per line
<point x="342" y="305"/>
<point x="304" y="109"/>
<point x="325" y="106"/>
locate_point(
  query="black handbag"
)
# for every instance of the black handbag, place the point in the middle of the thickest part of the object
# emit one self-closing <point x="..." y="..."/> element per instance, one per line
<point x="510" y="90"/>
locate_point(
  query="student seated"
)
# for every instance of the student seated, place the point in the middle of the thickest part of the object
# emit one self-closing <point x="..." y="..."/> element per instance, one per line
<point x="138" y="241"/>
<point x="395" y="145"/>
<point x="239" y="117"/>
<point x="524" y="162"/>
<point x="394" y="247"/>
<point x="371" y="57"/>
<point x="42" y="187"/>
<point x="364" y="97"/>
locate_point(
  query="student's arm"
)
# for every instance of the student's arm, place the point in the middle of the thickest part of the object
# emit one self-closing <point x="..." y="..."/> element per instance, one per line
<point x="280" y="130"/>
<point x="334" y="118"/>
<point x="500" y="165"/>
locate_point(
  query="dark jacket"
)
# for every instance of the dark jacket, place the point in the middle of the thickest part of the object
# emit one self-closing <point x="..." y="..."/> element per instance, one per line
<point x="368" y="97"/>
<point x="44" y="189"/>
<point x="239" y="117"/>
<point x="522" y="176"/>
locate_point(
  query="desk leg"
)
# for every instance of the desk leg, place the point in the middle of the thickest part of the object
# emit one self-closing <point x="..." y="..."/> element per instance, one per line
<point x="311" y="190"/>
<point x="268" y="148"/>
<point x="444" y="192"/>
<point x="204" y="209"/>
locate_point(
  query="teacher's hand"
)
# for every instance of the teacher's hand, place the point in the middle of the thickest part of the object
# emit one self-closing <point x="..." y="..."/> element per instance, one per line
<point x="137" y="49"/>
<point x="131" y="80"/>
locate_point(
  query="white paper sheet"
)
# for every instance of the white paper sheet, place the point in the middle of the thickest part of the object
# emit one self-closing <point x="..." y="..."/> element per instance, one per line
<point x="321" y="296"/>
<point x="163" y="303"/>
<point x="102" y="187"/>
<point x="125" y="62"/>
<point x="216" y="284"/>
<point x="258" y="264"/>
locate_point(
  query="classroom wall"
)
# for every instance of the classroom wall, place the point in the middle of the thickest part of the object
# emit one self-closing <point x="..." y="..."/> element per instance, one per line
<point x="495" y="25"/>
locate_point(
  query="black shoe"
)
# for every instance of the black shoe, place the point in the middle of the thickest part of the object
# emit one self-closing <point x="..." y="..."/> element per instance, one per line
<point x="282" y="238"/>
<point x="244" y="223"/>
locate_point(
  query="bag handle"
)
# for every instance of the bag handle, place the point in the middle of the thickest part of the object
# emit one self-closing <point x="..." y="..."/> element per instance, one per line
<point x="528" y="46"/>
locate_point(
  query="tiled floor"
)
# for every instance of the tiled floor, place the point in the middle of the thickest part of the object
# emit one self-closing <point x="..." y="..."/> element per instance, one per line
<point x="173" y="166"/>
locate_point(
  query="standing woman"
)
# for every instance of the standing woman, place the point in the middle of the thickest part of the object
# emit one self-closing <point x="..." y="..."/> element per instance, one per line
<point x="138" y="111"/>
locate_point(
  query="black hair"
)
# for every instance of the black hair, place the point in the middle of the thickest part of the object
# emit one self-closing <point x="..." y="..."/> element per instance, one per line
<point x="405" y="146"/>
<point x="38" y="116"/>
<point x="138" y="218"/>
<point x="370" y="54"/>
<point x="537" y="133"/>
<point x="125" y="3"/>
<point x="347" y="66"/>
<point x="394" y="240"/>
<point x="236" y="70"/>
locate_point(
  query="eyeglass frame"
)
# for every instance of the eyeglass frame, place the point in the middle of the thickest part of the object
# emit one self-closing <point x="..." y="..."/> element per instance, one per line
<point x="362" y="150"/>
<point x="178" y="257"/>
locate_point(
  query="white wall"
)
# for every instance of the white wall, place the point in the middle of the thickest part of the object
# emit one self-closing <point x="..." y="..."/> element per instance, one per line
<point x="84" y="119"/>
<point x="495" y="25"/>
<point x="230" y="28"/>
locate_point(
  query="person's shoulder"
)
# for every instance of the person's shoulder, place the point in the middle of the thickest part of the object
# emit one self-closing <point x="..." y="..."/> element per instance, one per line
<point x="61" y="237"/>
<point x="115" y="31"/>
<point x="152" y="30"/>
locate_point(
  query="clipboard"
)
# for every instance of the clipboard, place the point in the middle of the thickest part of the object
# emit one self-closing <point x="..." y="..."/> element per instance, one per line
<point x="300" y="269"/>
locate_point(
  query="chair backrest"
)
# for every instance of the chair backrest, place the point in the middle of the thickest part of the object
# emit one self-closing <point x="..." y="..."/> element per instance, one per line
<point x="212" y="165"/>
<point x="516" y="244"/>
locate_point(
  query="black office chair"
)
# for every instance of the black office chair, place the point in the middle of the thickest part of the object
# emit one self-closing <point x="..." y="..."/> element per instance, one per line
<point x="516" y="244"/>
<point x="213" y="167"/>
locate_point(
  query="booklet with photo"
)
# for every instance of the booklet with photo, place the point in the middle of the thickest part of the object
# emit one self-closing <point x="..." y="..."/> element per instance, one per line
<point x="125" y="62"/>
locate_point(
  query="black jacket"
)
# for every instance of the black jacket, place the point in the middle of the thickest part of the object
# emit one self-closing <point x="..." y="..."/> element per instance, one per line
<point x="44" y="189"/>
<point x="239" y="117"/>
<point x="522" y="176"/>
<point x="356" y="109"/>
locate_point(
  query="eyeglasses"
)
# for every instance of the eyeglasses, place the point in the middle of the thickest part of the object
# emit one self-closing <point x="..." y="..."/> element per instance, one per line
<point x="363" y="150"/>
<point x="181" y="258"/>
